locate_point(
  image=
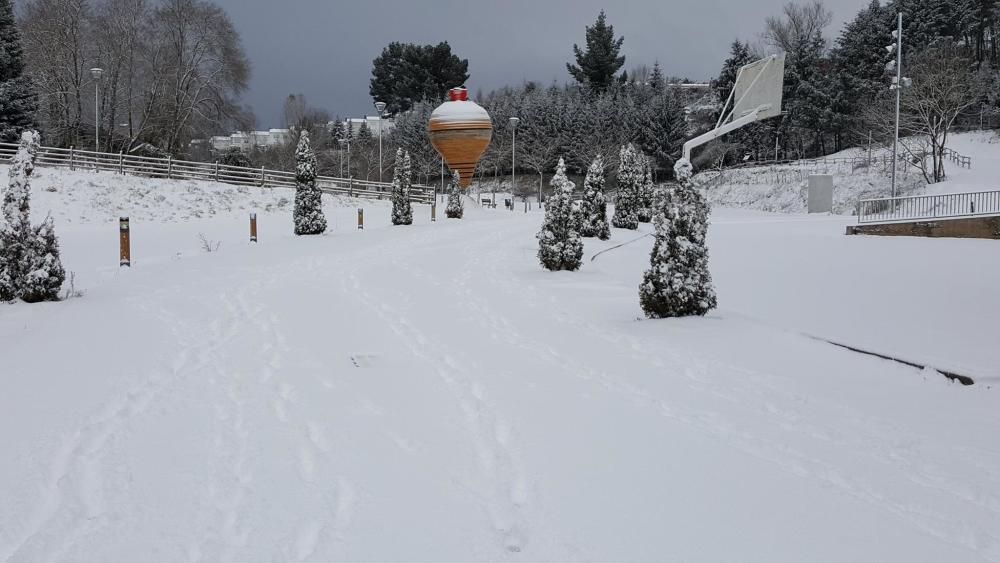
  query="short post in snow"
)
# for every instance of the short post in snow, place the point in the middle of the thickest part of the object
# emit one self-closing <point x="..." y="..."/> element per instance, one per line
<point x="121" y="163"/>
<point x="170" y="166"/>
<point x="433" y="212"/>
<point x="216" y="170"/>
<point x="124" y="246"/>
<point x="253" y="227"/>
<point x="262" y="176"/>
<point x="72" y="163"/>
<point x="361" y="218"/>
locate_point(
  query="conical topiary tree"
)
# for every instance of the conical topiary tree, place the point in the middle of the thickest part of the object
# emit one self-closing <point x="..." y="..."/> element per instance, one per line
<point x="455" y="208"/>
<point x="30" y="267"/>
<point x="646" y="192"/>
<point x="402" y="211"/>
<point x="630" y="179"/>
<point x="18" y="100"/>
<point x="595" y="206"/>
<point x="559" y="244"/>
<point x="308" y="214"/>
<point x="678" y="282"/>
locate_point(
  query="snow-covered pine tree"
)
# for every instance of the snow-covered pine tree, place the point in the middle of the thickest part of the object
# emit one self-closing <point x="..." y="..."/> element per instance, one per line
<point x="18" y="100"/>
<point x="308" y="213"/>
<point x="30" y="268"/>
<point x="630" y="178"/>
<point x="646" y="192"/>
<point x="559" y="244"/>
<point x="455" y="208"/>
<point x="402" y="211"/>
<point x="45" y="272"/>
<point x="595" y="206"/>
<point x="678" y="283"/>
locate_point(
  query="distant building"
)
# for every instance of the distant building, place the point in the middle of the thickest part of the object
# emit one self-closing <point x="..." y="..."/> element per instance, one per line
<point x="248" y="140"/>
<point x="373" y="121"/>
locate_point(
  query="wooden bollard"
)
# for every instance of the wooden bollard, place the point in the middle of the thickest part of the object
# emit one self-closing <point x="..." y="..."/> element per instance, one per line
<point x="124" y="246"/>
<point x="433" y="212"/>
<point x="253" y="227"/>
<point x="361" y="218"/>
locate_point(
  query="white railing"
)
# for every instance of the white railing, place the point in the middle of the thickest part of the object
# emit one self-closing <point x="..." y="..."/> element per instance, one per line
<point x="923" y="207"/>
<point x="170" y="168"/>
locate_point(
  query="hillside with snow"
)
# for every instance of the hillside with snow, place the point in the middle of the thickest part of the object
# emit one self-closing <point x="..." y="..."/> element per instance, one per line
<point x="429" y="393"/>
<point x="783" y="188"/>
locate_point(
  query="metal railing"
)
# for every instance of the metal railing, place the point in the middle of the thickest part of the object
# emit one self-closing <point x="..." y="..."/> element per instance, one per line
<point x="922" y="207"/>
<point x="169" y="168"/>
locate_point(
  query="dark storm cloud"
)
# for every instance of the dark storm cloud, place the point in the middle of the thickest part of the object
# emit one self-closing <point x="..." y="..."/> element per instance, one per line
<point x="324" y="49"/>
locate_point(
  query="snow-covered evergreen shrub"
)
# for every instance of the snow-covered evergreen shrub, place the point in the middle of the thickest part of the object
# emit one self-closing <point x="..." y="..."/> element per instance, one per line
<point x="455" y="208"/>
<point x="30" y="268"/>
<point x="678" y="282"/>
<point x="630" y="179"/>
<point x="559" y="244"/>
<point x="594" y="206"/>
<point x="308" y="213"/>
<point x="402" y="211"/>
<point x="646" y="192"/>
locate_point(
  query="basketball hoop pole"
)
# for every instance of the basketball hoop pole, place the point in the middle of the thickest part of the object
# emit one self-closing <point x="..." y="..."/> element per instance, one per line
<point x="716" y="133"/>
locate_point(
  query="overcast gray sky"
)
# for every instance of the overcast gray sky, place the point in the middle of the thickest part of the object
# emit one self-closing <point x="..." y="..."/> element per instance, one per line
<point x="324" y="48"/>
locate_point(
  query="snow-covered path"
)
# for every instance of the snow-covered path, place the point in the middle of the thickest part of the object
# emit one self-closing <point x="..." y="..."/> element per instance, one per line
<point x="429" y="394"/>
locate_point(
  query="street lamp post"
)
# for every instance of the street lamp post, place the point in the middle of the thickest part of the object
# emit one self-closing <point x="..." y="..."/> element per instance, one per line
<point x="97" y="73"/>
<point x="513" y="152"/>
<point x="380" y="108"/>
<point x="341" y="151"/>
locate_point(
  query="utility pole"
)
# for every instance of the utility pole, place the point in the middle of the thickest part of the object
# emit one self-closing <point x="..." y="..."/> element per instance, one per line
<point x="513" y="152"/>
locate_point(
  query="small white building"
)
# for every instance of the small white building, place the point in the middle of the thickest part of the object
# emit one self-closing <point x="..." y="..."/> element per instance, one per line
<point x="249" y="140"/>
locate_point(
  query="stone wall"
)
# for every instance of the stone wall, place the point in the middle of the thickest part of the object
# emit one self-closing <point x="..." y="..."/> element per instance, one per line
<point x="970" y="227"/>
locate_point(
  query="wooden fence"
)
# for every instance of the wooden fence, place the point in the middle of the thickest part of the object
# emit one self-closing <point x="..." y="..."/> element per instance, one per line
<point x="170" y="168"/>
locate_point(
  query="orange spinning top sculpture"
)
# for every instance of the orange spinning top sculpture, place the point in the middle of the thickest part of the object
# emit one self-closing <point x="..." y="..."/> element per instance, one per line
<point x="460" y="130"/>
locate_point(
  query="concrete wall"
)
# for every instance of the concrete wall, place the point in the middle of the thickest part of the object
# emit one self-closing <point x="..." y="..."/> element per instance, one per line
<point x="971" y="227"/>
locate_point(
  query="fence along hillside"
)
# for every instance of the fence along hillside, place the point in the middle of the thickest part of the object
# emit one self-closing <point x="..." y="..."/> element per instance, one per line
<point x="170" y="168"/>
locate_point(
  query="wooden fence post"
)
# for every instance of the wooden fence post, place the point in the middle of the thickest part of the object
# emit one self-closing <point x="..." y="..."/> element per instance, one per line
<point x="253" y="227"/>
<point x="170" y="166"/>
<point x="361" y="218"/>
<point x="124" y="244"/>
<point x="433" y="212"/>
<point x="350" y="186"/>
<point x="262" y="176"/>
<point x="72" y="164"/>
<point x="121" y="163"/>
<point x="216" y="170"/>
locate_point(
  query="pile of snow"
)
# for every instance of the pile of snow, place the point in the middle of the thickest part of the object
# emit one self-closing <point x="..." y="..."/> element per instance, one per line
<point x="783" y="188"/>
<point x="89" y="196"/>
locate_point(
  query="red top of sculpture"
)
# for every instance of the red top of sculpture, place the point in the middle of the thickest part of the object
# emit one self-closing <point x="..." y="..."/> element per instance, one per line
<point x="460" y="94"/>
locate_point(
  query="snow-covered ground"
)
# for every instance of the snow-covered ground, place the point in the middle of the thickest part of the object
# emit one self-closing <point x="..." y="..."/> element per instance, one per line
<point x="783" y="188"/>
<point x="428" y="393"/>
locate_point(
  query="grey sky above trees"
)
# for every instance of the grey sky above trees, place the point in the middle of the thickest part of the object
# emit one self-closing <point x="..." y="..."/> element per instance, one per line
<point x="324" y="49"/>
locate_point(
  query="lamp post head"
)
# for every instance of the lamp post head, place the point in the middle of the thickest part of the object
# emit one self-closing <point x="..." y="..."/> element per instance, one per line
<point x="97" y="73"/>
<point x="514" y="121"/>
<point x="380" y="108"/>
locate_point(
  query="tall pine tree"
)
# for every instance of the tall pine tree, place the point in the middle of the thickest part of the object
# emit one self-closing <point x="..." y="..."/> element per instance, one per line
<point x="559" y="244"/>
<point x="595" y="206"/>
<point x="646" y="192"/>
<point x="630" y="179"/>
<point x="402" y="211"/>
<point x="308" y="213"/>
<point x="18" y="100"/>
<point x="596" y="66"/>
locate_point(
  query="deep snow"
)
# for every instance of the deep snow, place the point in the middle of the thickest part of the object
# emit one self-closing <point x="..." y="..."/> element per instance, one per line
<point x="429" y="393"/>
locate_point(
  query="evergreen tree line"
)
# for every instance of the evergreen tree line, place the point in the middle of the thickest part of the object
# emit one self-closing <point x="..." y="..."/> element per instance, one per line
<point x="173" y="70"/>
<point x="836" y="93"/>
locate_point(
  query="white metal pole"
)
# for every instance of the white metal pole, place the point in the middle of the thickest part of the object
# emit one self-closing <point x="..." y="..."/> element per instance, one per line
<point x="899" y="87"/>
<point x="380" y="147"/>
